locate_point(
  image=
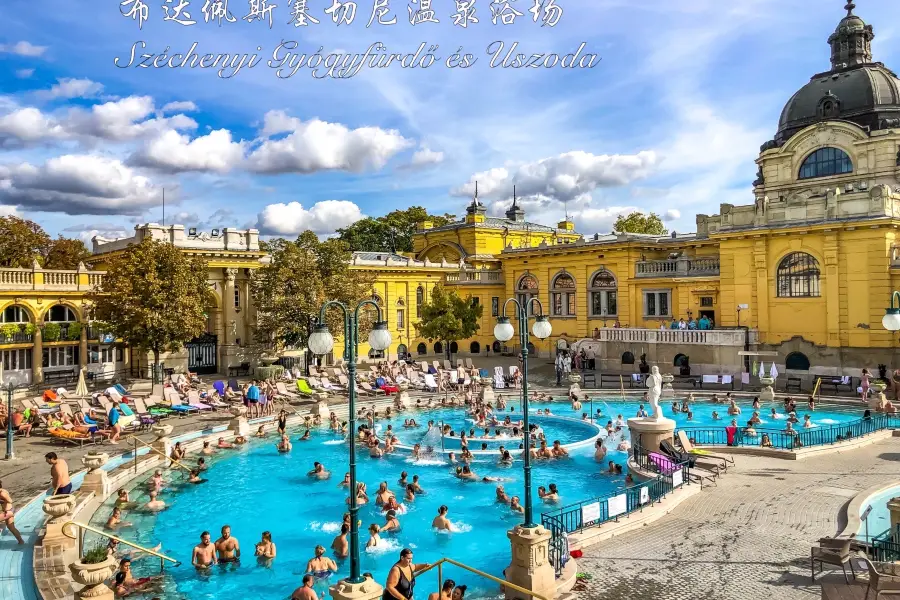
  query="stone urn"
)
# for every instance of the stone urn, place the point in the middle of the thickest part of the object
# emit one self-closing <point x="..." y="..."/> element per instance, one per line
<point x="667" y="390"/>
<point x="767" y="393"/>
<point x="267" y="360"/>
<point x="58" y="507"/>
<point x="238" y="411"/>
<point x="93" y="576"/>
<point x="877" y="400"/>
<point x="161" y="431"/>
<point x="574" y="377"/>
<point x="94" y="460"/>
<point x="403" y="386"/>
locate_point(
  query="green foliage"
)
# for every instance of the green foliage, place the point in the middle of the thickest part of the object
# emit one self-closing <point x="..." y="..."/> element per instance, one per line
<point x="96" y="555"/>
<point x="73" y="332"/>
<point x="270" y="372"/>
<point x="8" y="330"/>
<point x="153" y="297"/>
<point x="638" y="222"/>
<point x="21" y="242"/>
<point x="51" y="332"/>
<point x="446" y="317"/>
<point x="29" y="328"/>
<point x="65" y="253"/>
<point x="301" y="277"/>
<point x="392" y="232"/>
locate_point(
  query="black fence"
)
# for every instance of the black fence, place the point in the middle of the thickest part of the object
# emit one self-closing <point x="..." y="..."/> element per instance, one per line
<point x="886" y="545"/>
<point x="800" y="437"/>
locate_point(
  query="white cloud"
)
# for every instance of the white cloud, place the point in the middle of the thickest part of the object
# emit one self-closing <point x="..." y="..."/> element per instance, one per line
<point x="600" y="220"/>
<point x="181" y="106"/>
<point x="173" y="152"/>
<point x="316" y="145"/>
<point x="23" y="49"/>
<point x="323" y="217"/>
<point x="86" y="232"/>
<point x="73" y="88"/>
<point x="28" y="125"/>
<point x="673" y="214"/>
<point x="24" y="73"/>
<point x="425" y="156"/>
<point x="77" y="184"/>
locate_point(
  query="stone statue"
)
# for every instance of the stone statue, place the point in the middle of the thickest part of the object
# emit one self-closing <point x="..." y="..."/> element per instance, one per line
<point x="654" y="384"/>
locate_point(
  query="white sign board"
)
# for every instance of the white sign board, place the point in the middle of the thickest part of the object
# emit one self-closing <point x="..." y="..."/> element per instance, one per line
<point x="677" y="478"/>
<point x="865" y="514"/>
<point x="645" y="495"/>
<point x="590" y="513"/>
<point x="618" y="505"/>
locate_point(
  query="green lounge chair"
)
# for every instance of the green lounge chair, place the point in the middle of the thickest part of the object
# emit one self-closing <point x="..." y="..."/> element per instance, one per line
<point x="303" y="387"/>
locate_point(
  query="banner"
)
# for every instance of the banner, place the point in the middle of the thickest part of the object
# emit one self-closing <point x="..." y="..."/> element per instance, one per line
<point x="618" y="505"/>
<point x="645" y="495"/>
<point x="590" y="513"/>
<point x="677" y="478"/>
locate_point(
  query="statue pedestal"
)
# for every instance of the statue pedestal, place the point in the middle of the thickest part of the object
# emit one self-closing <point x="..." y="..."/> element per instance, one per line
<point x="649" y="432"/>
<point x="240" y="426"/>
<point x="574" y="390"/>
<point x="767" y="394"/>
<point x="401" y="400"/>
<point x="367" y="590"/>
<point x="876" y="400"/>
<point x="96" y="481"/>
<point x="894" y="509"/>
<point x="164" y="446"/>
<point x="530" y="567"/>
<point x="487" y="393"/>
<point x="321" y="408"/>
<point x="667" y="390"/>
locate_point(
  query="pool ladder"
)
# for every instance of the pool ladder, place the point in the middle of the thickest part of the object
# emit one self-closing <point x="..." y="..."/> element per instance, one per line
<point x="440" y="573"/>
<point x="78" y="534"/>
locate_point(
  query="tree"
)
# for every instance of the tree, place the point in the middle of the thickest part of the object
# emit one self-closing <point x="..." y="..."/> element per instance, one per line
<point x="153" y="296"/>
<point x="446" y="317"/>
<point x="21" y="242"/>
<point x="65" y="253"/>
<point x="391" y="233"/>
<point x="638" y="222"/>
<point x="300" y="277"/>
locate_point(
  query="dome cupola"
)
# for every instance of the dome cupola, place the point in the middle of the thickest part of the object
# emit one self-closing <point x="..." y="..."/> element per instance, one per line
<point x="851" y="42"/>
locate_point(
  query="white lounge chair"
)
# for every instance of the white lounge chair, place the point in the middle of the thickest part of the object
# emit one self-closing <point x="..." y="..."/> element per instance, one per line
<point x="499" y="381"/>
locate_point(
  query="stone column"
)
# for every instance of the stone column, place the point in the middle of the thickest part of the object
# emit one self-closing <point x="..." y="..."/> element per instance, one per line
<point x="37" y="356"/>
<point x="530" y="567"/>
<point x="239" y="424"/>
<point x="83" y="347"/>
<point x="96" y="480"/>
<point x="649" y="432"/>
<point x="228" y="316"/>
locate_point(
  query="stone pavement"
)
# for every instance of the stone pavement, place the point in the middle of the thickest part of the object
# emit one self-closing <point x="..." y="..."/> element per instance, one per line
<point x="748" y="538"/>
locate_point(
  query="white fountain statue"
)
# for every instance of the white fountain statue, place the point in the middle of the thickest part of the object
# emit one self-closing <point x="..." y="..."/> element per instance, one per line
<point x="654" y="384"/>
<point x="648" y="432"/>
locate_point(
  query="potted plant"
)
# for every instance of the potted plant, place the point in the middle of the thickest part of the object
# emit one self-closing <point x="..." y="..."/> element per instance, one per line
<point x="29" y="328"/>
<point x="73" y="332"/>
<point x="51" y="332"/>
<point x="95" y="567"/>
<point x="9" y="330"/>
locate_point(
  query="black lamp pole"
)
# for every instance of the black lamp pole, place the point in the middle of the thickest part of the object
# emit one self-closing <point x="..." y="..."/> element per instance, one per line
<point x="10" y="453"/>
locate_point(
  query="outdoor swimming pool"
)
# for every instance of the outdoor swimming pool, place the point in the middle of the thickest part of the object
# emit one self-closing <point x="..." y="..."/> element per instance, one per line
<point x="255" y="489"/>
<point x="880" y="517"/>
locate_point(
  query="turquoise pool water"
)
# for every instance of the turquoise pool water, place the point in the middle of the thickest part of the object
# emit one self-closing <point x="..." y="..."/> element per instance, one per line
<point x="255" y="488"/>
<point x="879" y="518"/>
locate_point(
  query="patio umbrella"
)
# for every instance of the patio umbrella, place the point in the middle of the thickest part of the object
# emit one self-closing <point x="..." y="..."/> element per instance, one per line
<point x="773" y="372"/>
<point x="81" y="389"/>
<point x="762" y="371"/>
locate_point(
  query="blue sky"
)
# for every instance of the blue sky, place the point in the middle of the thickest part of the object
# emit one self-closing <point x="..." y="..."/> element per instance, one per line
<point x="669" y="120"/>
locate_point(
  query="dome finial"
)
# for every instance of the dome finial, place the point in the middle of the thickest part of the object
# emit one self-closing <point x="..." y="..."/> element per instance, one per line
<point x="849" y="8"/>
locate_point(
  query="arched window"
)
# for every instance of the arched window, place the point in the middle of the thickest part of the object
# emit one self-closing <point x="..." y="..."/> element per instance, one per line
<point x="454" y="348"/>
<point x="526" y="289"/>
<point x="603" y="293"/>
<point x="825" y="162"/>
<point x="401" y="314"/>
<point x="475" y="348"/>
<point x="496" y="347"/>
<point x="420" y="300"/>
<point x="438" y="348"/>
<point x="562" y="295"/>
<point x="401" y="352"/>
<point x="421" y="349"/>
<point x="15" y="314"/>
<point x="796" y="361"/>
<point x="531" y="348"/>
<point x="60" y="313"/>
<point x="377" y="299"/>
<point x="627" y="358"/>
<point x="680" y="360"/>
<point x="798" y="276"/>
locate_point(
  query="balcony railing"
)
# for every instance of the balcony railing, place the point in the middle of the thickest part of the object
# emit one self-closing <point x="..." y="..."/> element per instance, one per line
<point x="483" y="277"/>
<point x="17" y="337"/>
<point x="707" y="337"/>
<point x="39" y="279"/>
<point x="678" y="267"/>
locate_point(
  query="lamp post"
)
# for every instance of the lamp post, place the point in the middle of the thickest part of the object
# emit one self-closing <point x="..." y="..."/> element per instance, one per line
<point x="10" y="386"/>
<point x="503" y="331"/>
<point x="891" y="319"/>
<point x="321" y="342"/>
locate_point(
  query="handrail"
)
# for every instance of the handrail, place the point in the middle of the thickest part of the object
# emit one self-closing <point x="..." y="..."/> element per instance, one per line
<point x="65" y="531"/>
<point x="503" y="583"/>
<point x="152" y="449"/>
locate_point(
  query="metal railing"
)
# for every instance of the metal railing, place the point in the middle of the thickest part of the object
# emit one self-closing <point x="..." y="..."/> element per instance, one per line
<point x="78" y="535"/>
<point x="678" y="267"/>
<point x="886" y="545"/>
<point x="800" y="437"/>
<point x="440" y="573"/>
<point x="152" y="449"/>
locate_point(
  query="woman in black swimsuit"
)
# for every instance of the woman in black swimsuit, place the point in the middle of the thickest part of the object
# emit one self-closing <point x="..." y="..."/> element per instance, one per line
<point x="282" y="422"/>
<point x="400" y="582"/>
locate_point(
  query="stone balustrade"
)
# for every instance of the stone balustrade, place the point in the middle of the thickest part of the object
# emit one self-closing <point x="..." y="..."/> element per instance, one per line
<point x="709" y="337"/>
<point x="484" y="277"/>
<point x="37" y="278"/>
<point x="678" y="267"/>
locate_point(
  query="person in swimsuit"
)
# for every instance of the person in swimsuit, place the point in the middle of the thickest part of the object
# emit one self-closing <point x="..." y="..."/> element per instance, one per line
<point x="340" y="545"/>
<point x="401" y="581"/>
<point x="374" y="538"/>
<point x="59" y="475"/>
<point x="7" y="516"/>
<point x="391" y="523"/>
<point x="319" y="471"/>
<point x="126" y="583"/>
<point x="446" y="592"/>
<point x="154" y="504"/>
<point x="321" y="566"/>
<point x="227" y="547"/>
<point x="306" y="591"/>
<point x="441" y="521"/>
<point x="177" y="452"/>
<point x="265" y="548"/>
<point x="284" y="445"/>
<point x="204" y="554"/>
<point x="282" y="422"/>
<point x="115" y="520"/>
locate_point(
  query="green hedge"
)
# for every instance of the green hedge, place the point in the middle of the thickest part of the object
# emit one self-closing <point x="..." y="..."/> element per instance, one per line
<point x="271" y="372"/>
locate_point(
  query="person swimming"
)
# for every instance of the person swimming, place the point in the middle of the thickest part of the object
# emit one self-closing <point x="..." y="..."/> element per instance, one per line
<point x="319" y="471"/>
<point x="320" y="566"/>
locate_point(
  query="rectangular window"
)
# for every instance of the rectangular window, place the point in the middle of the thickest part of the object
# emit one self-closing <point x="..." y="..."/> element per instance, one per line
<point x="401" y="319"/>
<point x="60" y="356"/>
<point x="495" y="306"/>
<point x="237" y="298"/>
<point x="17" y="360"/>
<point x="603" y="304"/>
<point x="476" y="301"/>
<point x="563" y="304"/>
<point x="656" y="303"/>
<point x="706" y="301"/>
<point x="100" y="354"/>
<point x="120" y="354"/>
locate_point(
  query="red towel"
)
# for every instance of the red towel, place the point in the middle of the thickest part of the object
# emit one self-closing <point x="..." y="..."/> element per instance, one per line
<point x="390" y="389"/>
<point x="731" y="431"/>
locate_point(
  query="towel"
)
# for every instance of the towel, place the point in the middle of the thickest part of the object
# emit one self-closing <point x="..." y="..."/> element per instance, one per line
<point x="635" y="376"/>
<point x="710" y="379"/>
<point x="845" y="380"/>
<point x="745" y="378"/>
<point x="726" y="379"/>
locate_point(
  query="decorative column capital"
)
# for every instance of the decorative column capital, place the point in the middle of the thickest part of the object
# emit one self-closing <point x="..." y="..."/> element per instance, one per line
<point x="230" y="275"/>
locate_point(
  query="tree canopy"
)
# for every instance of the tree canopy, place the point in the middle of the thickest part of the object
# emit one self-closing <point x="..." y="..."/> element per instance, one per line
<point x="303" y="274"/>
<point x="23" y="241"/>
<point x="392" y="232"/>
<point x="446" y="317"/>
<point x="153" y="296"/>
<point x="638" y="222"/>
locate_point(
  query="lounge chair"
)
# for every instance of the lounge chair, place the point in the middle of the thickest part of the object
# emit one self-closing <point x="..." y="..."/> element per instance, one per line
<point x="234" y="385"/>
<point x="73" y="437"/>
<point x="219" y="386"/>
<point x="144" y="416"/>
<point x="141" y="408"/>
<point x="667" y="466"/>
<point x="831" y="551"/>
<point x="303" y="387"/>
<point x="882" y="583"/>
<point x="283" y="391"/>
<point x="695" y="460"/>
<point x="469" y="364"/>
<point x="499" y="380"/>
<point x="176" y="404"/>
<point x="689" y="447"/>
<point x="157" y="409"/>
<point x="368" y="387"/>
<point x="448" y="365"/>
<point x="429" y="383"/>
<point x="193" y="399"/>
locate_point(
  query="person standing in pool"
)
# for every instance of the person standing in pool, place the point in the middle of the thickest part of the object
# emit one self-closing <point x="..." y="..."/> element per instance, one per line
<point x="59" y="475"/>
<point x="227" y="547"/>
<point x="441" y="522"/>
<point x="321" y="566"/>
<point x="401" y="578"/>
<point x="7" y="516"/>
<point x="204" y="554"/>
<point x="306" y="591"/>
<point x="340" y="545"/>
